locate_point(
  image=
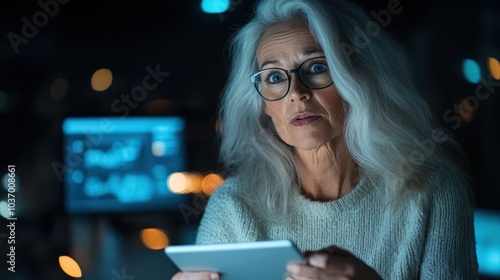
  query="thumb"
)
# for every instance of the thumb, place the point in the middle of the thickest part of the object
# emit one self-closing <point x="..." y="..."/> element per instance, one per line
<point x="318" y="260"/>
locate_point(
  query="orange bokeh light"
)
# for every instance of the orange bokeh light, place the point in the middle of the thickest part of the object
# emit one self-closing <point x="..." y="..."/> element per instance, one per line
<point x="101" y="79"/>
<point x="154" y="238"/>
<point x="211" y="182"/>
<point x="494" y="66"/>
<point x="70" y="266"/>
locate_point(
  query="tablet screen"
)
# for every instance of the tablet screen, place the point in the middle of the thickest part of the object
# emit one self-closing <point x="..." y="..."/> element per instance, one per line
<point x="238" y="261"/>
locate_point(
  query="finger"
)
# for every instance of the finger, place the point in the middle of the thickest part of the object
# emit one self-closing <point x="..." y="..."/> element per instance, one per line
<point x="334" y="264"/>
<point x="202" y="275"/>
<point x="304" y="272"/>
<point x="318" y="260"/>
<point x="331" y="263"/>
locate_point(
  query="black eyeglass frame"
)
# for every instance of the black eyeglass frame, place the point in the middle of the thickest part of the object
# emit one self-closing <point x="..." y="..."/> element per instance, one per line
<point x="289" y="76"/>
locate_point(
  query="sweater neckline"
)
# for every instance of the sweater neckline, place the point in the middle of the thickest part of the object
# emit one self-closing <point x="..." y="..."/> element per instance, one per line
<point x="349" y="201"/>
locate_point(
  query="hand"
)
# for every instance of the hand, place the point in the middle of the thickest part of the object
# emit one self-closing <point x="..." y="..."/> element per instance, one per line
<point x="203" y="275"/>
<point x="331" y="263"/>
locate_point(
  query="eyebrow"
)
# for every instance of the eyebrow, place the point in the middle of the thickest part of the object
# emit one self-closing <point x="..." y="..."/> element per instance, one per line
<point x="305" y="53"/>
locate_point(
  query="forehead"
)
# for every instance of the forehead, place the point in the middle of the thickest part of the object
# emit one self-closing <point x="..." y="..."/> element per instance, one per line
<point x="286" y="38"/>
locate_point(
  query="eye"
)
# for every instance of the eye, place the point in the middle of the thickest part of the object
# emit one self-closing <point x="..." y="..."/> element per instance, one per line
<point x="274" y="77"/>
<point x="317" y="68"/>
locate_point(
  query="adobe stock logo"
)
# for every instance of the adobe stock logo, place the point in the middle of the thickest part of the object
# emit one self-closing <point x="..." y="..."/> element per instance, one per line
<point x="39" y="19"/>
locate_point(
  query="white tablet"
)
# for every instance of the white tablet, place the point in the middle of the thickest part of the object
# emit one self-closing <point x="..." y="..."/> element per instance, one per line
<point x="238" y="261"/>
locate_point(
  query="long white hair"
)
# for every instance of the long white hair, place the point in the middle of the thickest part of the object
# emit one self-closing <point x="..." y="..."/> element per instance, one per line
<point x="388" y="128"/>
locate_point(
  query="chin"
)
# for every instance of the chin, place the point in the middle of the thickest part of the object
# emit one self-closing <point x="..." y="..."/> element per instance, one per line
<point x="311" y="146"/>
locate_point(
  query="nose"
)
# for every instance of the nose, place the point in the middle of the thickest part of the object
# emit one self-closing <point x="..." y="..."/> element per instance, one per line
<point x="298" y="91"/>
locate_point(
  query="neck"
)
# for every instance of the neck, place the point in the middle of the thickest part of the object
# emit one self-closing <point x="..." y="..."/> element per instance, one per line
<point x="327" y="173"/>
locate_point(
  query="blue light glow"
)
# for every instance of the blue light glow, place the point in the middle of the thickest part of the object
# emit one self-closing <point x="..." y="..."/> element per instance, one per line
<point x="471" y="70"/>
<point x="487" y="229"/>
<point x="122" y="164"/>
<point x="214" y="6"/>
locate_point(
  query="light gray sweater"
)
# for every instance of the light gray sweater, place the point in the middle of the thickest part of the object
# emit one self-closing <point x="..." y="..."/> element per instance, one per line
<point x="433" y="240"/>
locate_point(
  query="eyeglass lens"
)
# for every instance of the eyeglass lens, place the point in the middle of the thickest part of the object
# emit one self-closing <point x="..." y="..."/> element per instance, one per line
<point x="274" y="83"/>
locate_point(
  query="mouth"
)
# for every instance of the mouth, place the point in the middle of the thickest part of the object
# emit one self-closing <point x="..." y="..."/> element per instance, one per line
<point x="301" y="119"/>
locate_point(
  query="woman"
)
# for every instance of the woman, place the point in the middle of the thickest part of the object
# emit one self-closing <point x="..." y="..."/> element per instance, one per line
<point x="333" y="149"/>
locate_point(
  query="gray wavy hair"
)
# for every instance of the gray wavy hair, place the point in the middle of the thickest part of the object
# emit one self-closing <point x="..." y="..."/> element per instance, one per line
<point x="389" y="129"/>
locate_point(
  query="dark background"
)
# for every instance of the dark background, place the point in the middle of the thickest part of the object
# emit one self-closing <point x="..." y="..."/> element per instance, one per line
<point x="128" y="36"/>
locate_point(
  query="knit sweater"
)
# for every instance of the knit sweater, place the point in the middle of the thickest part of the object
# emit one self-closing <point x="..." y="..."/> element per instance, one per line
<point x="431" y="240"/>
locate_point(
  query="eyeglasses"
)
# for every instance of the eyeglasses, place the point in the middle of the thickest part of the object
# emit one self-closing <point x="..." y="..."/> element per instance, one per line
<point x="274" y="83"/>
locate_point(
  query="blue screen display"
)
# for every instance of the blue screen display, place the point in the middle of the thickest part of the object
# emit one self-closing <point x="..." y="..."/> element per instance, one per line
<point x="487" y="229"/>
<point x="122" y="164"/>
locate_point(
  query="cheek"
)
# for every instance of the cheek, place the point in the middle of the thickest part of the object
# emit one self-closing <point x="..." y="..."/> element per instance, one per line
<point x="337" y="109"/>
<point x="335" y="106"/>
<point x="274" y="111"/>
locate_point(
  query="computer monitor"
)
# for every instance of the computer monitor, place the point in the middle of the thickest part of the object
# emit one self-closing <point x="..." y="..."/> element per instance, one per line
<point x="487" y="229"/>
<point x="119" y="165"/>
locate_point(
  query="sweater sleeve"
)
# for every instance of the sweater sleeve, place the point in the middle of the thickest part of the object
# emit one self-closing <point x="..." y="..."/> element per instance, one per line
<point x="218" y="224"/>
<point x="450" y="251"/>
<point x="228" y="218"/>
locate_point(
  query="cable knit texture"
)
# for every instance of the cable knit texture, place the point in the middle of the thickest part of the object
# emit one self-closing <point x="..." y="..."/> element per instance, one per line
<point x="431" y="240"/>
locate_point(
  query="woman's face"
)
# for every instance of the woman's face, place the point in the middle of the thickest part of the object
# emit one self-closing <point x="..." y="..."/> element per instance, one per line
<point x="287" y="45"/>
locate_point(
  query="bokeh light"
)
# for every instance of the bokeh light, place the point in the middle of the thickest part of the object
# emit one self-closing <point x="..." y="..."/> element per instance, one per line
<point x="5" y="182"/>
<point x="154" y="238"/>
<point x="494" y="66"/>
<point x="4" y="211"/>
<point x="486" y="229"/>
<point x="195" y="182"/>
<point x="214" y="6"/>
<point x="471" y="71"/>
<point x="70" y="266"/>
<point x="211" y="182"/>
<point x="465" y="110"/>
<point x="101" y="79"/>
<point x="158" y="148"/>
<point x="59" y="88"/>
<point x="178" y="182"/>
<point x="185" y="182"/>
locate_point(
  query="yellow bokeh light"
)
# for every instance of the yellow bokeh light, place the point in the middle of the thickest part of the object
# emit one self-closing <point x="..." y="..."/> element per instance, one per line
<point x="101" y="79"/>
<point x="154" y="238"/>
<point x="70" y="266"/>
<point x="178" y="182"/>
<point x="195" y="182"/>
<point x="211" y="182"/>
<point x="185" y="182"/>
<point x="494" y="68"/>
